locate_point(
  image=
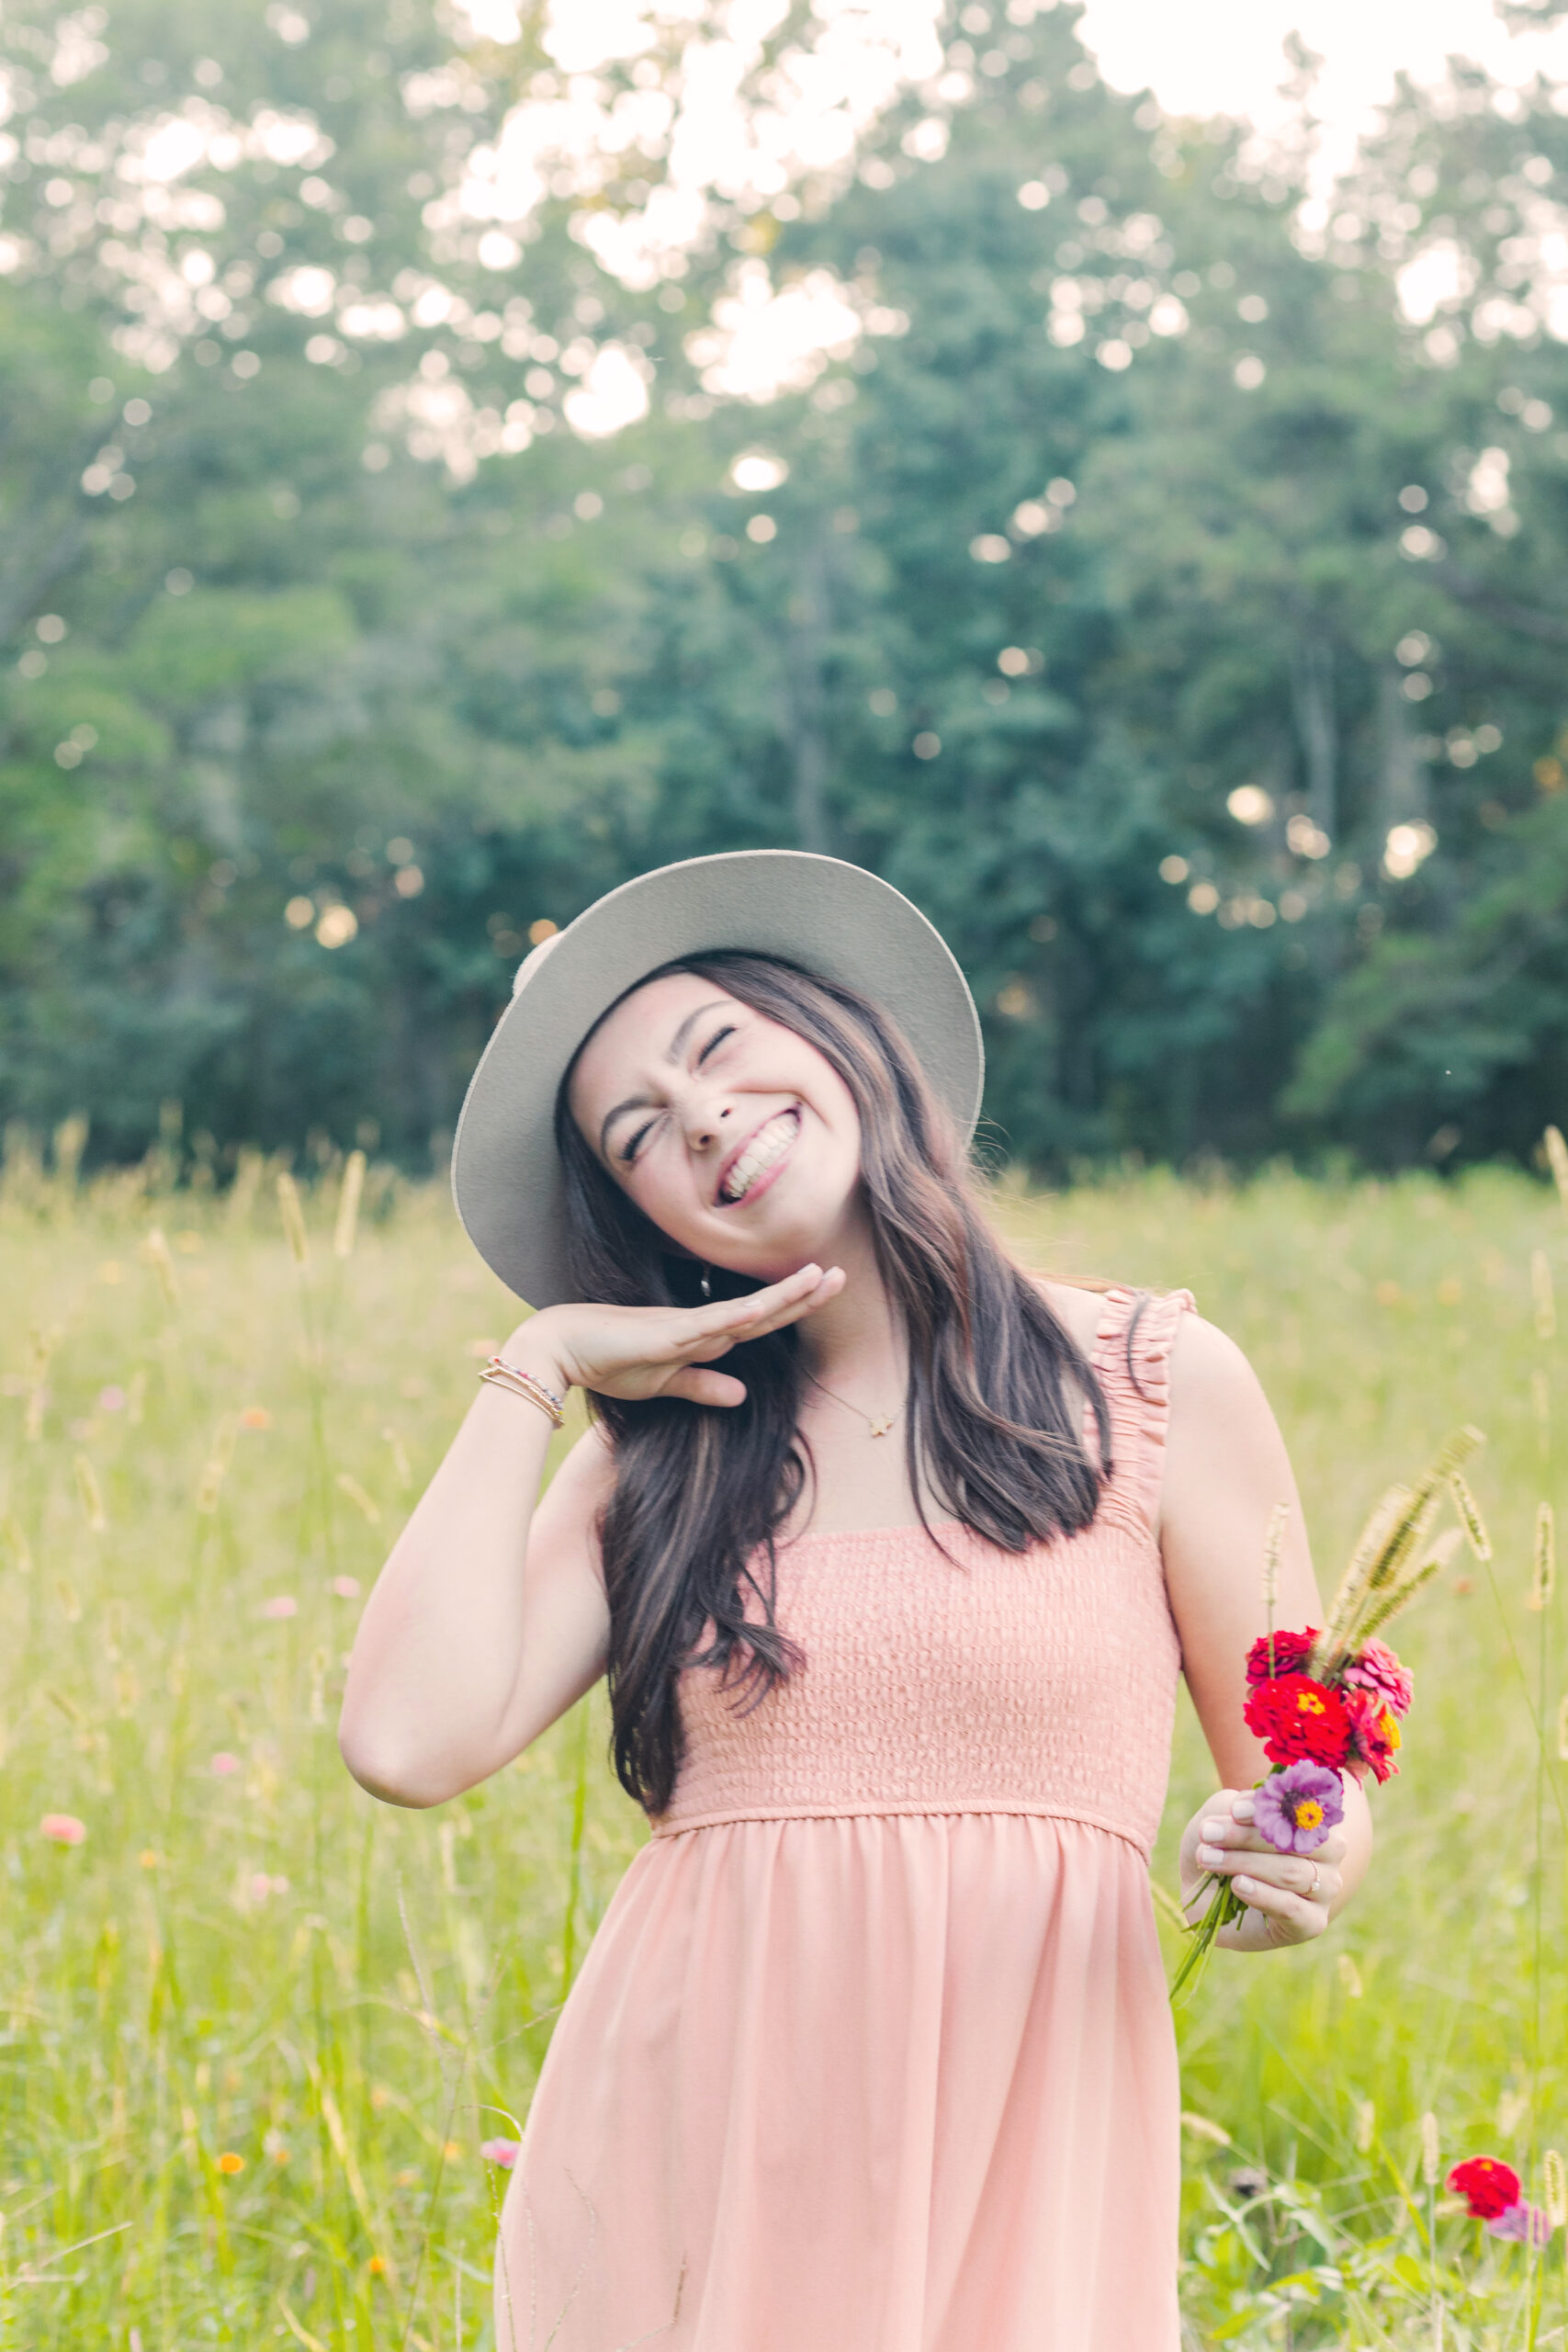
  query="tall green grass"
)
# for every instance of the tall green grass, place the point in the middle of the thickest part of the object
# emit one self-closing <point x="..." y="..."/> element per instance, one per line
<point x="256" y="2027"/>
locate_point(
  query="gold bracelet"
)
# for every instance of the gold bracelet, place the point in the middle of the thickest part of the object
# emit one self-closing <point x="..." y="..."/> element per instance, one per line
<point x="523" y="1383"/>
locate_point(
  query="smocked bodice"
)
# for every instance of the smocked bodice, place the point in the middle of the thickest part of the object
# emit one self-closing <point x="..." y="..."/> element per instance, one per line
<point x="967" y="1678"/>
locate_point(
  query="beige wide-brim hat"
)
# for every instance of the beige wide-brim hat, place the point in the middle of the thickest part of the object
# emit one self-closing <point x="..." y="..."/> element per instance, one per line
<point x="831" y="918"/>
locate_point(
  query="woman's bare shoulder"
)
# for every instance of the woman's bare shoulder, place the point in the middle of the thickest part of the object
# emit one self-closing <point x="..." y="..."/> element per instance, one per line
<point x="1077" y="1310"/>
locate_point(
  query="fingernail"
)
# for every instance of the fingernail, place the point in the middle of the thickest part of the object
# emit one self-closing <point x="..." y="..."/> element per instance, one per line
<point x="1212" y="1830"/>
<point x="1243" y="1809"/>
<point x="1245" y="1885"/>
<point x="1211" y="1857"/>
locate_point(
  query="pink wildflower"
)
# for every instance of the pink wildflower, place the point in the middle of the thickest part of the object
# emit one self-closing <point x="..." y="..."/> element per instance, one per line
<point x="223" y="1764"/>
<point x="64" y="1828"/>
<point x="111" y="1399"/>
<point x="500" y="2152"/>
<point x="1525" y="2224"/>
<point x="346" y="1587"/>
<point x="283" y="1605"/>
<point x="1375" y="1667"/>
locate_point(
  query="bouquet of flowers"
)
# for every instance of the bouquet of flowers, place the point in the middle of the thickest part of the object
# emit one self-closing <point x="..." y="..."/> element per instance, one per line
<point x="1326" y="1702"/>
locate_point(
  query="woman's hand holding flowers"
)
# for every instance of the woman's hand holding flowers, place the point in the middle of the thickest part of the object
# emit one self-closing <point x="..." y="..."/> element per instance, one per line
<point x="1290" y="1897"/>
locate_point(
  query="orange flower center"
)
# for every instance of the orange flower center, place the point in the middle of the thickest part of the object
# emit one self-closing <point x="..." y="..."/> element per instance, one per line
<point x="1388" y="1723"/>
<point x="1309" y="1814"/>
<point x="1308" y="1702"/>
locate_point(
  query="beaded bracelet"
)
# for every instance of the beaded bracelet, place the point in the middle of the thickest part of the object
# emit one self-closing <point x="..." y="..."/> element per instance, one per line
<point x="523" y="1383"/>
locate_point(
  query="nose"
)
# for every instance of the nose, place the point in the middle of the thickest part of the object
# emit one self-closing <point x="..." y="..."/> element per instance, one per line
<point x="705" y="1120"/>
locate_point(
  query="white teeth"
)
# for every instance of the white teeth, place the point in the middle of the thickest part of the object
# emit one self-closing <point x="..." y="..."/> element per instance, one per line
<point x="760" y="1155"/>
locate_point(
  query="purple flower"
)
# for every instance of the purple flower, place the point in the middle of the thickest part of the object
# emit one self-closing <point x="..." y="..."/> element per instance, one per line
<point x="1526" y="2224"/>
<point x="1296" y="1809"/>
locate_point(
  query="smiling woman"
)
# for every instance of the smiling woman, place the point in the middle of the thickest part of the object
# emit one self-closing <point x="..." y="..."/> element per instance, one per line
<point x="872" y="2045"/>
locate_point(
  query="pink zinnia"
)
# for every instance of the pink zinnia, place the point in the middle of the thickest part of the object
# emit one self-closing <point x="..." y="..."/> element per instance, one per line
<point x="64" y="1828"/>
<point x="500" y="2152"/>
<point x="1375" y="1667"/>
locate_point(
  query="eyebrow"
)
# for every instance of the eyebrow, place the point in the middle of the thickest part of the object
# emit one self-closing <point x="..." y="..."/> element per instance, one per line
<point x="677" y="1046"/>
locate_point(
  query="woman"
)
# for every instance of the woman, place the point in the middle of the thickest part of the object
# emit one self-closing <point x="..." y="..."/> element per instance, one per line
<point x="892" y="1553"/>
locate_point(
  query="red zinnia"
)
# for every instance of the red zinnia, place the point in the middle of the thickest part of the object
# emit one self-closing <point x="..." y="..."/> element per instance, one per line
<point x="1375" y="1733"/>
<point x="1291" y="1654"/>
<point x="1295" y="1716"/>
<point x="1488" y="2185"/>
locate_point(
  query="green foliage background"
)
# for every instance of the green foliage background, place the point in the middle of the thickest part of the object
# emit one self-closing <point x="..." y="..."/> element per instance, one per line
<point x="309" y="613"/>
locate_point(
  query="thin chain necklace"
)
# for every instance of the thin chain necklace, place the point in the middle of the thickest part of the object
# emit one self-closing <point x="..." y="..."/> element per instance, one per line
<point x="878" y="1425"/>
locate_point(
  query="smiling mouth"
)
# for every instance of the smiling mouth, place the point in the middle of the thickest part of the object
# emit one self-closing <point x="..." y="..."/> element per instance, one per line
<point x="768" y="1145"/>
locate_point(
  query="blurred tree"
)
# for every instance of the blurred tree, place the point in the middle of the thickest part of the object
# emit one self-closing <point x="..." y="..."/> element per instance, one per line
<point x="1155" y="574"/>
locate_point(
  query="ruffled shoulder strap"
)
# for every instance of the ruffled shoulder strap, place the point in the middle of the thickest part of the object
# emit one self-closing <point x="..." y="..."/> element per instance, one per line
<point x="1132" y="1356"/>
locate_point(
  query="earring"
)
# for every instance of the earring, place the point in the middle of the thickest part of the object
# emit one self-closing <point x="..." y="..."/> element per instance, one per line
<point x="705" y="1286"/>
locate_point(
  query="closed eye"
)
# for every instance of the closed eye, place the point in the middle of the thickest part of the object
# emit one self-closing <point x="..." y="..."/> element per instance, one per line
<point x="628" y="1151"/>
<point x="715" y="1040"/>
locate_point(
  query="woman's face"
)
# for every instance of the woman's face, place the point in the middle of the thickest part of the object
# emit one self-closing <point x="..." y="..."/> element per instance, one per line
<point x="734" y="1136"/>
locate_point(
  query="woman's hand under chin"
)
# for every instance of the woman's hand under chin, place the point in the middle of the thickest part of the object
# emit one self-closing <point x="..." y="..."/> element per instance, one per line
<point x="1290" y="1897"/>
<point x="640" y="1351"/>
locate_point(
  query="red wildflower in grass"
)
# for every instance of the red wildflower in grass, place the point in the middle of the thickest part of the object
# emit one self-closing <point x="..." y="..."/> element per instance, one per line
<point x="1487" y="2184"/>
<point x="1295" y="1716"/>
<point x="1374" y="1734"/>
<point x="1291" y="1654"/>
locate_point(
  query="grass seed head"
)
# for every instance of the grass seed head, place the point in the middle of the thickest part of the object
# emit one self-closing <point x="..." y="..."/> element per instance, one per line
<point x="1557" y="1157"/>
<point x="1475" y="1526"/>
<point x="293" y="1216"/>
<point x="156" y="1250"/>
<point x="216" y="1468"/>
<point x="347" y="1223"/>
<point x="90" y="1495"/>
<point x="1431" y="2150"/>
<point x="1543" y="1575"/>
<point x="1554" y="2188"/>
<point x="1545" y="1300"/>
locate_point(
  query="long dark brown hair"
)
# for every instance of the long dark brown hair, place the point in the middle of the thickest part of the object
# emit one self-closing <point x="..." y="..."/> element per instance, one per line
<point x="995" y="1406"/>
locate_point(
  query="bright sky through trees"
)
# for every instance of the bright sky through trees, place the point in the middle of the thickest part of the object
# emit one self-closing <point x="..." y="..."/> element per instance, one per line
<point x="1226" y="56"/>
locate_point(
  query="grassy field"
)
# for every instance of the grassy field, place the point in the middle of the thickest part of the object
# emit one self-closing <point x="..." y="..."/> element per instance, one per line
<point x="257" y="2029"/>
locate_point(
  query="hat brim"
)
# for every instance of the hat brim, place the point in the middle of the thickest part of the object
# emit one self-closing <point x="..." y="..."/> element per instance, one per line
<point x="833" y="918"/>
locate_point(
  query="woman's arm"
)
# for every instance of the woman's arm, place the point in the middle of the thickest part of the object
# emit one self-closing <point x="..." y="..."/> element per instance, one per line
<point x="489" y="1620"/>
<point x="1225" y="1470"/>
<point x="482" y="1580"/>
